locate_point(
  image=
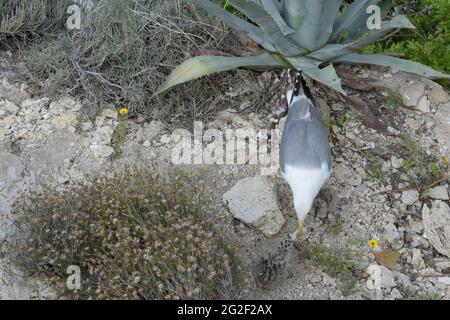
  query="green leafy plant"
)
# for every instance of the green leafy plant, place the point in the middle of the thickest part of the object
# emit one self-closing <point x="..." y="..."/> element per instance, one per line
<point x="327" y="123"/>
<point x="341" y="119"/>
<point x="429" y="42"/>
<point x="307" y="35"/>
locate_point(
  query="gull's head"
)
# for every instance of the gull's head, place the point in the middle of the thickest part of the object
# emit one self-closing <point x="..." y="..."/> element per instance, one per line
<point x="302" y="206"/>
<point x="305" y="183"/>
<point x="303" y="196"/>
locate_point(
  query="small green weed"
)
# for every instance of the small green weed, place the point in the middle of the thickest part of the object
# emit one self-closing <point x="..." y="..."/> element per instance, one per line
<point x="337" y="227"/>
<point x="118" y="137"/>
<point x="421" y="168"/>
<point x="335" y="264"/>
<point x="374" y="169"/>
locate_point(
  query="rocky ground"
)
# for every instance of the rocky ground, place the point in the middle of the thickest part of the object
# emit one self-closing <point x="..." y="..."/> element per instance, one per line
<point x="369" y="195"/>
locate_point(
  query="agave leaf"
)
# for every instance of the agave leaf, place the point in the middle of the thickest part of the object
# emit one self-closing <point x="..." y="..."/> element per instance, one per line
<point x="197" y="67"/>
<point x="278" y="4"/>
<point x="332" y="51"/>
<point x="293" y="12"/>
<point x="248" y="29"/>
<point x="397" y="63"/>
<point x="272" y="9"/>
<point x="327" y="75"/>
<point x="317" y="23"/>
<point x="264" y="20"/>
<point x="359" y="26"/>
<point x="347" y="21"/>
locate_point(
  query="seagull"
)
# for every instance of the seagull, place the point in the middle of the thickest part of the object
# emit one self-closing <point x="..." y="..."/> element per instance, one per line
<point x="305" y="155"/>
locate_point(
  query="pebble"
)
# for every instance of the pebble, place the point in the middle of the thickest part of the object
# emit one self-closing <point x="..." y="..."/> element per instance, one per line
<point x="412" y="93"/>
<point x="396" y="294"/>
<point x="439" y="193"/>
<point x="436" y="221"/>
<point x="109" y="113"/>
<point x="347" y="175"/>
<point x="423" y="105"/>
<point x="409" y="197"/>
<point x="396" y="163"/>
<point x="101" y="151"/>
<point x="254" y="201"/>
<point x="86" y="126"/>
<point x="146" y="143"/>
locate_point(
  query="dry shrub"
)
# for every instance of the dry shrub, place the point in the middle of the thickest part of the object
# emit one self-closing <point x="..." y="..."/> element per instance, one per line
<point x="134" y="236"/>
<point x="21" y="19"/>
<point x="124" y="51"/>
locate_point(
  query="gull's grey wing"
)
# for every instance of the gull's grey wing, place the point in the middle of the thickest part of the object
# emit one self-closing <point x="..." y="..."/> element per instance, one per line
<point x="304" y="142"/>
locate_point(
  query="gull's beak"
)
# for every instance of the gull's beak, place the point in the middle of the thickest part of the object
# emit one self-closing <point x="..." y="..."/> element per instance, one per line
<point x="299" y="229"/>
<point x="298" y="233"/>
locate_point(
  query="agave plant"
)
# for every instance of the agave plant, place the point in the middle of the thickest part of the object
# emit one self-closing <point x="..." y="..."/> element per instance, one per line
<point x="310" y="35"/>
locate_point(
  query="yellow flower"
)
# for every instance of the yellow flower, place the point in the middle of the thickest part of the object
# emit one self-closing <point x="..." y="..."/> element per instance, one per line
<point x="445" y="160"/>
<point x="373" y="243"/>
<point x="123" y="111"/>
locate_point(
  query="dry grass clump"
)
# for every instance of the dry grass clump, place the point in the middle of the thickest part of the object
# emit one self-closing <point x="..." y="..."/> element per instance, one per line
<point x="135" y="236"/>
<point x="21" y="19"/>
<point x="122" y="54"/>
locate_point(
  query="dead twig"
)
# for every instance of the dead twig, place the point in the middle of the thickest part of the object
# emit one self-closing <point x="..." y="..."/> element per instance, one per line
<point x="431" y="185"/>
<point x="360" y="108"/>
<point x="410" y="213"/>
